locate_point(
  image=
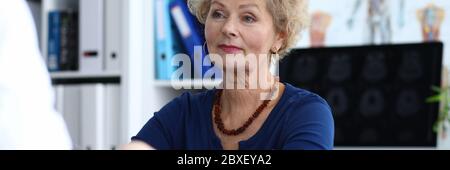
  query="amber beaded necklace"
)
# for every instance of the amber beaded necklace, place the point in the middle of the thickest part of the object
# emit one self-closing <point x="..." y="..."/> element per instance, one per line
<point x="240" y="130"/>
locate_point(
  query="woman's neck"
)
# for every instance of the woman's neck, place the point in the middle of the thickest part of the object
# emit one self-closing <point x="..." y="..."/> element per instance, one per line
<point x="239" y="104"/>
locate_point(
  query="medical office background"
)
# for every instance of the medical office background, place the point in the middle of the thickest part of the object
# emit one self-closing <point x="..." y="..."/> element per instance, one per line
<point x="106" y="101"/>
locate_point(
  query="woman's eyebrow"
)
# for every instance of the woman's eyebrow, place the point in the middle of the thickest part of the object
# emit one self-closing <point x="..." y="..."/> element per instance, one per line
<point x="240" y="7"/>
<point x="249" y="6"/>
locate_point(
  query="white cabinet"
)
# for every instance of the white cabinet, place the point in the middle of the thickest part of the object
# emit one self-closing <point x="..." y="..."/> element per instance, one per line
<point x="137" y="94"/>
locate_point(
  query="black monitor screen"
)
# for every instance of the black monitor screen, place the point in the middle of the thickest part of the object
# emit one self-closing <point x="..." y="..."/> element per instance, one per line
<point x="377" y="93"/>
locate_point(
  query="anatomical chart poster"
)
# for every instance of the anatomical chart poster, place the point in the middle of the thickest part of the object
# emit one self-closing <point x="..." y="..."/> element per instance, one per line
<point x="362" y="22"/>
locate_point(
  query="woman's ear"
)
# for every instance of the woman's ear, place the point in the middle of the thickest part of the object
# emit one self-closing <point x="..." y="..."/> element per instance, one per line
<point x="279" y="41"/>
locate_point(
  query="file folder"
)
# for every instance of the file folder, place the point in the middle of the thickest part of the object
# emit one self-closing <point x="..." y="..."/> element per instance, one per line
<point x="91" y="36"/>
<point x="54" y="41"/>
<point x="191" y="35"/>
<point x="112" y="116"/>
<point x="93" y="116"/>
<point x="113" y="24"/>
<point x="70" y="106"/>
<point x="164" y="41"/>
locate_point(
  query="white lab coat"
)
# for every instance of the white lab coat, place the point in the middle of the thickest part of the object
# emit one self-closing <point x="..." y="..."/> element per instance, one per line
<point x="28" y="119"/>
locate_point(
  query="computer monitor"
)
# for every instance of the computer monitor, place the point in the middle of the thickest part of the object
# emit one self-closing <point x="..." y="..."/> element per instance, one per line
<point x="377" y="93"/>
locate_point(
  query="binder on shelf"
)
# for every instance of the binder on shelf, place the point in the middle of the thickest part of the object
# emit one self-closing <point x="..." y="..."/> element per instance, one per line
<point x="71" y="103"/>
<point x="92" y="117"/>
<point x="67" y="103"/>
<point x="112" y="116"/>
<point x="167" y="43"/>
<point x="54" y="43"/>
<point x="191" y="35"/>
<point x="62" y="41"/>
<point x="91" y="113"/>
<point x="113" y="24"/>
<point x="69" y="41"/>
<point x="91" y="36"/>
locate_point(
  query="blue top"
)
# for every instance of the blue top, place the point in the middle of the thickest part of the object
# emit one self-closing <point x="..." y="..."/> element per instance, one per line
<point x="300" y="120"/>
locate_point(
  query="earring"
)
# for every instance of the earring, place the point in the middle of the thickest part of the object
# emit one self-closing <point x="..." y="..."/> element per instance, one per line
<point x="275" y="56"/>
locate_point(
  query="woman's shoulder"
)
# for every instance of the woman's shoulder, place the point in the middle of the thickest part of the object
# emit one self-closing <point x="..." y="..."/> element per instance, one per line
<point x="298" y="96"/>
<point x="304" y="105"/>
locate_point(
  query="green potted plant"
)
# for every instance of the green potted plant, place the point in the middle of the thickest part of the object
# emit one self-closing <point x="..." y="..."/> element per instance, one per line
<point x="442" y="124"/>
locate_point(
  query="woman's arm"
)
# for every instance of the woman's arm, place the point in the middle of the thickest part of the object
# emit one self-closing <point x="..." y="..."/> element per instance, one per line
<point x="310" y="127"/>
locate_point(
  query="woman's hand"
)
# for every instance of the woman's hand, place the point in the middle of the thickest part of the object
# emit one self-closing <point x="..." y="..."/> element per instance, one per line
<point x="136" y="145"/>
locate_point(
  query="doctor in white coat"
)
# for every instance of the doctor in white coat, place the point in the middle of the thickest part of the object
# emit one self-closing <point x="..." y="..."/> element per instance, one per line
<point x="28" y="119"/>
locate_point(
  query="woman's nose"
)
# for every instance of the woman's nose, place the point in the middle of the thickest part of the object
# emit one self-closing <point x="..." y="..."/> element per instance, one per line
<point x="229" y="28"/>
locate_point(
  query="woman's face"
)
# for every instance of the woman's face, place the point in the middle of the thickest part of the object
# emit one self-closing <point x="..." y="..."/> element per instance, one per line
<point x="240" y="27"/>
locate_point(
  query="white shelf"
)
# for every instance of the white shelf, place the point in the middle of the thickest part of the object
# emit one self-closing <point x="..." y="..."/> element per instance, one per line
<point x="190" y="83"/>
<point x="76" y="75"/>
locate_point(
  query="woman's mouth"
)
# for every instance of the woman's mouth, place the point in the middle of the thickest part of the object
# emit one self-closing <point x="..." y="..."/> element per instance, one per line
<point x="230" y="49"/>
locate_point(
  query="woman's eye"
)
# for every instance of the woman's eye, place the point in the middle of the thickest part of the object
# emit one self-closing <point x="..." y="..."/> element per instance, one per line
<point x="249" y="19"/>
<point x="217" y="15"/>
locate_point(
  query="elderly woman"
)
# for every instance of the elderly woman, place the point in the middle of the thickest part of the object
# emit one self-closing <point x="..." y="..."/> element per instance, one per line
<point x="233" y="119"/>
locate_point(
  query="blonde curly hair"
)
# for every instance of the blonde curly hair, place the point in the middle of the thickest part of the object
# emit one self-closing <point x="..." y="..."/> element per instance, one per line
<point x="290" y="17"/>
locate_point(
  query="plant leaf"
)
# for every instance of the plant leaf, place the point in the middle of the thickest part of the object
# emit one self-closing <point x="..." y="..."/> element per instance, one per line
<point x="436" y="89"/>
<point x="436" y="98"/>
